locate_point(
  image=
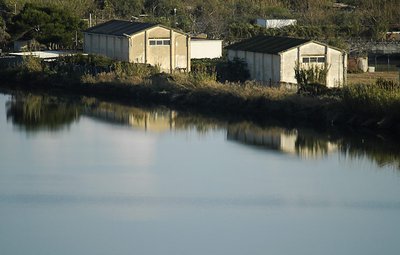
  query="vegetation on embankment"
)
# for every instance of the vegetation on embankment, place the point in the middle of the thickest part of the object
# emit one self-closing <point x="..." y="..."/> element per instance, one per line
<point x="373" y="106"/>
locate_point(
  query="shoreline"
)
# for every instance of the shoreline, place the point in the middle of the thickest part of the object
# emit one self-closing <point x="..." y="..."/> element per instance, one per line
<point x="54" y="111"/>
<point x="290" y="109"/>
<point x="366" y="107"/>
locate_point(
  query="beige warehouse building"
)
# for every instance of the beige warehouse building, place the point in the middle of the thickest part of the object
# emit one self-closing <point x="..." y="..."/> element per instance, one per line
<point x="137" y="42"/>
<point x="272" y="60"/>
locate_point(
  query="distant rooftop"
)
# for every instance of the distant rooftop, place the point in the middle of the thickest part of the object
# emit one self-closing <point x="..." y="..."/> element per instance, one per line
<point x="267" y="44"/>
<point x="48" y="54"/>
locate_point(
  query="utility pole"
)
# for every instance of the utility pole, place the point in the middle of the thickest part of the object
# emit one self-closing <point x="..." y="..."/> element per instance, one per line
<point x="175" y="23"/>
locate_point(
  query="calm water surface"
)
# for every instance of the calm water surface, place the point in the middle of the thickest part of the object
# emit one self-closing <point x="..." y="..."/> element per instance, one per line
<point x="97" y="178"/>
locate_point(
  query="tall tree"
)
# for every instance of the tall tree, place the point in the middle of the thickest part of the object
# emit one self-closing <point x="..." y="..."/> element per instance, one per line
<point x="127" y="8"/>
<point x="47" y="25"/>
<point x="79" y="7"/>
<point x="4" y="36"/>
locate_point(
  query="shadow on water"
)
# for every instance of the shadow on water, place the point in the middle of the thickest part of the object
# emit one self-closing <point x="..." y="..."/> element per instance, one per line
<point x="38" y="112"/>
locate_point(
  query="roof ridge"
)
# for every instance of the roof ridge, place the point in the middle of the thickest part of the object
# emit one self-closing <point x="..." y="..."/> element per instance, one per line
<point x="119" y="27"/>
<point x="124" y="27"/>
<point x="268" y="44"/>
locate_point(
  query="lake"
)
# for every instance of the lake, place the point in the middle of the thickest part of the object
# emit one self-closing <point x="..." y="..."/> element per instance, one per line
<point x="91" y="177"/>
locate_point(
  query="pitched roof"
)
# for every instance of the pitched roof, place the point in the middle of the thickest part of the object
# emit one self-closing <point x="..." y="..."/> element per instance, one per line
<point x="267" y="44"/>
<point x="119" y="27"/>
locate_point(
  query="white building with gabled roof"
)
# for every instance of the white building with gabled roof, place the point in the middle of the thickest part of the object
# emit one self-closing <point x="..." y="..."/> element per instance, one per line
<point x="272" y="60"/>
<point x="138" y="42"/>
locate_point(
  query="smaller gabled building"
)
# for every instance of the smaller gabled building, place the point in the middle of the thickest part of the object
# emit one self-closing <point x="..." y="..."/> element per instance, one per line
<point x="275" y="23"/>
<point x="138" y="42"/>
<point x="205" y="48"/>
<point x="272" y="60"/>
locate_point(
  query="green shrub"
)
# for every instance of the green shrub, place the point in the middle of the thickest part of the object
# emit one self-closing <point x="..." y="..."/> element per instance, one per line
<point x="221" y="70"/>
<point x="31" y="68"/>
<point x="311" y="79"/>
<point x="387" y="85"/>
<point x="380" y="99"/>
<point x="312" y="89"/>
<point x="125" y="70"/>
<point x="233" y="70"/>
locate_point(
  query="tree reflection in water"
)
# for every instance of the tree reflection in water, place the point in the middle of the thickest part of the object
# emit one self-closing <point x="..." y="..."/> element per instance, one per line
<point x="36" y="112"/>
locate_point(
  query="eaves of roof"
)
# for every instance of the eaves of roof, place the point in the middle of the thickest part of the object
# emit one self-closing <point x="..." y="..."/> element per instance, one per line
<point x="271" y="44"/>
<point x="123" y="28"/>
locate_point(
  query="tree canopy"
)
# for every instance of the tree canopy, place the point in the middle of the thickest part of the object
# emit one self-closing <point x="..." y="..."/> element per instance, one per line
<point x="57" y="20"/>
<point x="47" y="25"/>
<point x="4" y="36"/>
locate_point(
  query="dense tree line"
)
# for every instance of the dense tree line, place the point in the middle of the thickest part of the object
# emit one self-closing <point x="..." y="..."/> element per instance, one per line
<point x="55" y="21"/>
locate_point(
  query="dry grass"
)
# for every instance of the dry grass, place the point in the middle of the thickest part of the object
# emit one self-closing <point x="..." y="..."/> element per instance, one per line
<point x="370" y="78"/>
<point x="246" y="91"/>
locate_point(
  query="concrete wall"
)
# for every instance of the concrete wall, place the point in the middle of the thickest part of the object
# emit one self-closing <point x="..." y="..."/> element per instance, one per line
<point x="334" y="60"/>
<point x="137" y="45"/>
<point x="114" y="47"/>
<point x="337" y="68"/>
<point x="137" y="48"/>
<point x="181" y="50"/>
<point x="289" y="60"/>
<point x="159" y="54"/>
<point x="264" y="68"/>
<point x="174" y="56"/>
<point x="201" y="48"/>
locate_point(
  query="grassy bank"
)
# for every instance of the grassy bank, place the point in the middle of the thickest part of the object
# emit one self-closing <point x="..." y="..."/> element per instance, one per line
<point x="370" y="78"/>
<point x="372" y="106"/>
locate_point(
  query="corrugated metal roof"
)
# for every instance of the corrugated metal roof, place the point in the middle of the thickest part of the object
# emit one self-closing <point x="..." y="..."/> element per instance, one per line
<point x="267" y="44"/>
<point x="119" y="28"/>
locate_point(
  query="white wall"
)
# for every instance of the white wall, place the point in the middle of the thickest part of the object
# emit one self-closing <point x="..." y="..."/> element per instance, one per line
<point x="137" y="49"/>
<point x="333" y="60"/>
<point x="262" y="67"/>
<point x="201" y="48"/>
<point x="111" y="46"/>
<point x="338" y="68"/>
<point x="289" y="59"/>
<point x="275" y="23"/>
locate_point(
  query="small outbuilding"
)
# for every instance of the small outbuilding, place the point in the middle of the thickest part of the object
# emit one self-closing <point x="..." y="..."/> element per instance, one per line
<point x="276" y="23"/>
<point x="26" y="44"/>
<point x="272" y="60"/>
<point x="138" y="42"/>
<point x="205" y="48"/>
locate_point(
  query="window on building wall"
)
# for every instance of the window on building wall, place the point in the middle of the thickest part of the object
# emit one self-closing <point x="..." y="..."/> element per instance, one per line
<point x="159" y="42"/>
<point x="316" y="59"/>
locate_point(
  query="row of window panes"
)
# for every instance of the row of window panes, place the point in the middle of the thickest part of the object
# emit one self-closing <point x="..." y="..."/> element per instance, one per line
<point x="154" y="42"/>
<point x="314" y="60"/>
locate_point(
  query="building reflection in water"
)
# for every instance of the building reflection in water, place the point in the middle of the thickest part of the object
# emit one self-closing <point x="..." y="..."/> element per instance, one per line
<point x="280" y="139"/>
<point x="34" y="113"/>
<point x="158" y="120"/>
